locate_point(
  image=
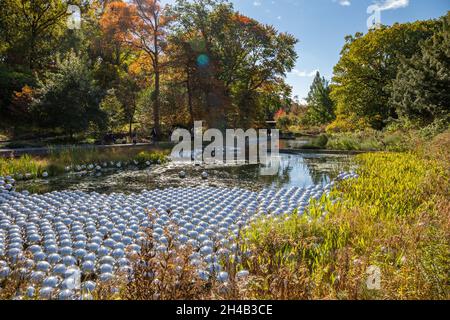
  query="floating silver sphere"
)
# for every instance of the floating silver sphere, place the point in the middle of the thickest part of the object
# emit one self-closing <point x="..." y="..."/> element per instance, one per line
<point x="69" y="261"/>
<point x="88" y="267"/>
<point x="105" y="277"/>
<point x="88" y="286"/>
<point x="59" y="269"/>
<point x="222" y="276"/>
<point x="30" y="292"/>
<point x="4" y="272"/>
<point x="66" y="295"/>
<point x="242" y="274"/>
<point x="43" y="266"/>
<point x="37" y="276"/>
<point x="51" y="282"/>
<point x="106" y="268"/>
<point x="46" y="292"/>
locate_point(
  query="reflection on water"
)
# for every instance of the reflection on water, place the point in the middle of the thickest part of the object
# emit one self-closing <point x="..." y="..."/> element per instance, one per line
<point x="295" y="170"/>
<point x="298" y="143"/>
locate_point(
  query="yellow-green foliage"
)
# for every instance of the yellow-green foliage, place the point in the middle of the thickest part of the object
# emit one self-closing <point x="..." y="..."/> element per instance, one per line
<point x="153" y="157"/>
<point x="346" y="123"/>
<point x="395" y="216"/>
<point x="58" y="159"/>
<point x="84" y="155"/>
<point x="369" y="140"/>
<point x="23" y="165"/>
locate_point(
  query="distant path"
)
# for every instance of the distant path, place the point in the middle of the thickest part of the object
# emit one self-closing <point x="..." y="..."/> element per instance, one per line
<point x="42" y="151"/>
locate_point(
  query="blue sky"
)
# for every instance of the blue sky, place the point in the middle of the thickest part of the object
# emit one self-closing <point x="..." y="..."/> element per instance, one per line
<point x="321" y="25"/>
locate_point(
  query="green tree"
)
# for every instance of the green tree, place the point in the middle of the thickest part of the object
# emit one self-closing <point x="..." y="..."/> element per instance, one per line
<point x="421" y="93"/>
<point x="113" y="110"/>
<point x="234" y="60"/>
<point x="69" y="98"/>
<point x="320" y="105"/>
<point x="367" y="66"/>
<point x="29" y="29"/>
<point x="127" y="93"/>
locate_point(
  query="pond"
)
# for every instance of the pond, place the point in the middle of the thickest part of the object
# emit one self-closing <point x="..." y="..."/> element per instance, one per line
<point x="296" y="170"/>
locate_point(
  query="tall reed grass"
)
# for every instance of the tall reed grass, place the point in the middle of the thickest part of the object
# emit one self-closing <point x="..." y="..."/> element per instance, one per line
<point x="394" y="217"/>
<point x="60" y="158"/>
<point x="23" y="165"/>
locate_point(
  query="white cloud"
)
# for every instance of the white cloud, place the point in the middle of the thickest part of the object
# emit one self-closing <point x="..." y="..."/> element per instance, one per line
<point x="304" y="74"/>
<point x="257" y="3"/>
<point x="344" y="3"/>
<point x="392" y="4"/>
<point x="382" y="5"/>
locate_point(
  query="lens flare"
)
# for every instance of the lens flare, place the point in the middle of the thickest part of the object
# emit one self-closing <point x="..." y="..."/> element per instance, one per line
<point x="202" y="60"/>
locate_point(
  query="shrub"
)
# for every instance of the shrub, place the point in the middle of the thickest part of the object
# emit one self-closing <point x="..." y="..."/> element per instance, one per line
<point x="286" y="121"/>
<point x="347" y="124"/>
<point x="371" y="140"/>
<point x="153" y="157"/>
<point x="319" y="142"/>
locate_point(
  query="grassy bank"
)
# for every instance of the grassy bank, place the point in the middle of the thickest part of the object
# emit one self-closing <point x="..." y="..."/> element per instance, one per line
<point x="371" y="140"/>
<point x="23" y="165"/>
<point x="394" y="217"/>
<point x="59" y="159"/>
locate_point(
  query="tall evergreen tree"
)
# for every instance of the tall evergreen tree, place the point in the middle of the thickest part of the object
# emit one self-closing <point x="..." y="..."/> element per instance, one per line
<point x="420" y="92"/>
<point x="320" y="105"/>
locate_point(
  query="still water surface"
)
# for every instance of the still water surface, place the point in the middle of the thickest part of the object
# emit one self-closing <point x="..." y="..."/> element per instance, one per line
<point x="298" y="170"/>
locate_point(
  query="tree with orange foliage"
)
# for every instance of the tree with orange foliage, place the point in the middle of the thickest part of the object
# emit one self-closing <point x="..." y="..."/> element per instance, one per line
<point x="148" y="33"/>
<point x="141" y="25"/>
<point x="19" y="109"/>
<point x="115" y="23"/>
<point x="239" y="64"/>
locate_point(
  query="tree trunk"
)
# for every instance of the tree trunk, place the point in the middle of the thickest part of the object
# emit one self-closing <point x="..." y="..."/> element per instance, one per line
<point x="189" y="92"/>
<point x="130" y="128"/>
<point x="32" y="49"/>
<point x="156" y="105"/>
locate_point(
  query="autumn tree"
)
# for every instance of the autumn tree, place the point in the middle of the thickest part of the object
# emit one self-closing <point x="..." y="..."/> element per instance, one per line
<point x="147" y="33"/>
<point x="233" y="58"/>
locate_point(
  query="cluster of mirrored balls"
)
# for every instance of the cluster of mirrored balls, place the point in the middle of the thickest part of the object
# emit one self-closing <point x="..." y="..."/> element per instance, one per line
<point x="92" y="169"/>
<point x="60" y="234"/>
<point x="108" y="165"/>
<point x="7" y="183"/>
